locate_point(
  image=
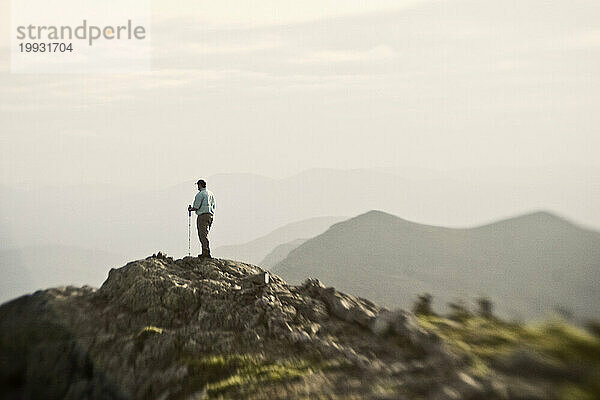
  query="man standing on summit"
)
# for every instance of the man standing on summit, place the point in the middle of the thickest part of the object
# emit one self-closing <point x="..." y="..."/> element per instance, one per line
<point x="204" y="206"/>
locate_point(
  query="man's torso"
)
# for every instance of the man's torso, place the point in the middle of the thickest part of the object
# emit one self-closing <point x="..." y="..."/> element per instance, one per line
<point x="205" y="202"/>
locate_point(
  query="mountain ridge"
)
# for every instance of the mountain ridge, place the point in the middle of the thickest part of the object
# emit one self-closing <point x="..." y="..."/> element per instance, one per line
<point x="256" y="250"/>
<point x="379" y="254"/>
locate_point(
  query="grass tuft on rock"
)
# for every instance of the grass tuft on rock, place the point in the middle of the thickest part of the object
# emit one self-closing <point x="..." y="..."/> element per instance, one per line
<point x="234" y="374"/>
<point x="488" y="342"/>
<point x="144" y="334"/>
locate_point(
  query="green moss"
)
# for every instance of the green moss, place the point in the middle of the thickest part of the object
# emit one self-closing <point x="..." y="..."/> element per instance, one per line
<point x="144" y="334"/>
<point x="564" y="342"/>
<point x="255" y="374"/>
<point x="483" y="340"/>
<point x="572" y="392"/>
<point x="149" y="330"/>
<point x="478" y="337"/>
<point x="231" y="374"/>
<point x="213" y="369"/>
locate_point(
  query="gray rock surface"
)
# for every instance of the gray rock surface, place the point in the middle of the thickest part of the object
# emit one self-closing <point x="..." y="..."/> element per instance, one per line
<point x="150" y="329"/>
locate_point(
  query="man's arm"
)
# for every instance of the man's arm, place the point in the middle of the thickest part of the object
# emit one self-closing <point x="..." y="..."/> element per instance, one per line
<point x="197" y="203"/>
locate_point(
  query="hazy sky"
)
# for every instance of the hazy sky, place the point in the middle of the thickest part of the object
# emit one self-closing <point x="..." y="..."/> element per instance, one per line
<point x="276" y="87"/>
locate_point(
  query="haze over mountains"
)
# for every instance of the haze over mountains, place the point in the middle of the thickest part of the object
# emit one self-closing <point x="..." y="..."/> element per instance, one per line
<point x="137" y="221"/>
<point x="527" y="265"/>
<point x="256" y="250"/>
<point x="29" y="269"/>
<point x="280" y="252"/>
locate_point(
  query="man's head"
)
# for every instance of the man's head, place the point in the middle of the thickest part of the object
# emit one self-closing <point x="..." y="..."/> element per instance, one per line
<point x="201" y="184"/>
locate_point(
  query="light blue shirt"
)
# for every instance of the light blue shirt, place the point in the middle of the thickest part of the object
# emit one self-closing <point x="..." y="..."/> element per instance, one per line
<point x="205" y="202"/>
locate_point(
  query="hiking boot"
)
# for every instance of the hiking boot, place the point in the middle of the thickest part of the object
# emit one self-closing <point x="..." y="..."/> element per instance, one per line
<point x="204" y="255"/>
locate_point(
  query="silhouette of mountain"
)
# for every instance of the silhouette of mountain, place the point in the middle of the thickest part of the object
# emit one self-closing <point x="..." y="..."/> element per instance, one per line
<point x="529" y="264"/>
<point x="138" y="220"/>
<point x="280" y="252"/>
<point x="256" y="250"/>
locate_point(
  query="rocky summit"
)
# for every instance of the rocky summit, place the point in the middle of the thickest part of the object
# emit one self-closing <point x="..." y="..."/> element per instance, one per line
<point x="197" y="328"/>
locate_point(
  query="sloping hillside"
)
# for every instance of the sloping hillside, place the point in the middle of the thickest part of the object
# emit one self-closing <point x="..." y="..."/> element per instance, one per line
<point x="280" y="253"/>
<point x="256" y="250"/>
<point x="528" y="264"/>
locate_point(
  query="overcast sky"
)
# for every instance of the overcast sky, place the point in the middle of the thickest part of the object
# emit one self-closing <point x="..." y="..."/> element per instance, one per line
<point x="276" y="87"/>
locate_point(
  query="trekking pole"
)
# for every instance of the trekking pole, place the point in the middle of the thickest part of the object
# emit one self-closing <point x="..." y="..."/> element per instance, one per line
<point x="189" y="231"/>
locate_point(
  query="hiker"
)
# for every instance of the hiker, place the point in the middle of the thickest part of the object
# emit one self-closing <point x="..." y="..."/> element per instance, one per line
<point x="204" y="206"/>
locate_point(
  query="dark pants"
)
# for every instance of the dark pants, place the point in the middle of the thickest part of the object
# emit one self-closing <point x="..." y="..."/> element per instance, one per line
<point x="203" y="223"/>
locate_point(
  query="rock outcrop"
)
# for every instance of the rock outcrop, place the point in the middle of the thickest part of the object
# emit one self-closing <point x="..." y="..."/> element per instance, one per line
<point x="160" y="328"/>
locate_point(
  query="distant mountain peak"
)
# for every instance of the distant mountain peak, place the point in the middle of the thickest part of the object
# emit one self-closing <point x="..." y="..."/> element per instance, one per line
<point x="391" y="260"/>
<point x="376" y="215"/>
<point x="544" y="214"/>
<point x="540" y="219"/>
